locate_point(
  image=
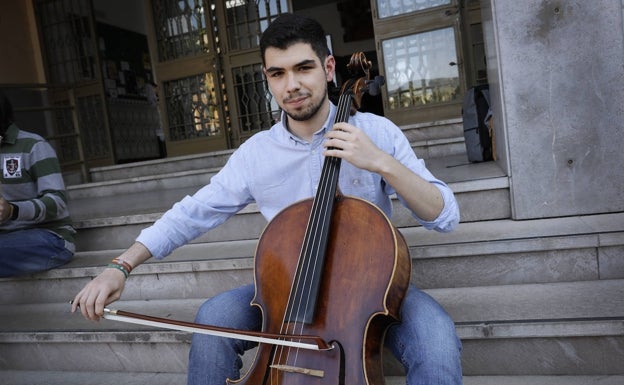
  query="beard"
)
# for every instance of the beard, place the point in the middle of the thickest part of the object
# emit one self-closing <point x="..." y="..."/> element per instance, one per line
<point x="308" y="111"/>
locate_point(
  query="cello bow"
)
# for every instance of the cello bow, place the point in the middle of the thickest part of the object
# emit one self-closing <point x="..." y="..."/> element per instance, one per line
<point x="313" y="342"/>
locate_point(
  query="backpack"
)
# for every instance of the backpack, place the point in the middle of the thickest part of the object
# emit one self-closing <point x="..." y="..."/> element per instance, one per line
<point x="477" y="116"/>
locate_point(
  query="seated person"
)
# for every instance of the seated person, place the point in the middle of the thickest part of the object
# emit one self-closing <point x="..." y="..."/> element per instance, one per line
<point x="36" y="233"/>
<point x="280" y="166"/>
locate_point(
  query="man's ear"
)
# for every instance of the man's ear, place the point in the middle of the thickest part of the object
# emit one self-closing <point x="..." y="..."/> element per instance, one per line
<point x="330" y="67"/>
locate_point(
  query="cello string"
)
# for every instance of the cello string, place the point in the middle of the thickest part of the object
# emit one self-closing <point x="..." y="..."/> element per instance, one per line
<point x="317" y="229"/>
<point x="326" y="194"/>
<point x="323" y="210"/>
<point x="319" y="220"/>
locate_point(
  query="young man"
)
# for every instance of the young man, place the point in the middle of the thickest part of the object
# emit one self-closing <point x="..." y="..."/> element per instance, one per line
<point x="35" y="228"/>
<point x="278" y="167"/>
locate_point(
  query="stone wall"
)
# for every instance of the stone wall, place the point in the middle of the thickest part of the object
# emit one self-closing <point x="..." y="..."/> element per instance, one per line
<point x="557" y="77"/>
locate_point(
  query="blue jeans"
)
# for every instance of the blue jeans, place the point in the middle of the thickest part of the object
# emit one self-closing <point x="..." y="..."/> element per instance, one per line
<point x="425" y="341"/>
<point x="30" y="251"/>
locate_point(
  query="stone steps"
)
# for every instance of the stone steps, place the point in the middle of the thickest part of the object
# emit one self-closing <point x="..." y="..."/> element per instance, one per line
<point x="16" y="377"/>
<point x="574" y="327"/>
<point x="535" y="302"/>
<point x="477" y="254"/>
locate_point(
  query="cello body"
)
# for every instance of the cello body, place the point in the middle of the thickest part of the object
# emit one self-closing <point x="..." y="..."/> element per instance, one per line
<point x="331" y="266"/>
<point x="366" y="273"/>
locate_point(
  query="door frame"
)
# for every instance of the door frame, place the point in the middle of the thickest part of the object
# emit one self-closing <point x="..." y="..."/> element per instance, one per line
<point x="431" y="19"/>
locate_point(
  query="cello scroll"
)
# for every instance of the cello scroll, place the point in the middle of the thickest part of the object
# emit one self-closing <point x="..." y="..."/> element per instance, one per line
<point x="360" y="82"/>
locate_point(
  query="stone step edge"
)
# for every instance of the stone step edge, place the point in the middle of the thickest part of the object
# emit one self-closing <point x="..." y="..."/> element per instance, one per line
<point x="532" y="380"/>
<point x="17" y="377"/>
<point x="43" y="377"/>
<point x="437" y="142"/>
<point x="465" y="232"/>
<point x="563" y="328"/>
<point x="434" y="123"/>
<point x="139" y="179"/>
<point x="153" y="162"/>
<point x="138" y="219"/>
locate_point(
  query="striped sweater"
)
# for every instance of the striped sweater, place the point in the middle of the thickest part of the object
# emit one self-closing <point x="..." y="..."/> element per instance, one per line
<point x="31" y="179"/>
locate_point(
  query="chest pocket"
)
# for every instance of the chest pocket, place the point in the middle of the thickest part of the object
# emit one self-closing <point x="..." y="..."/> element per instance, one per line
<point x="359" y="183"/>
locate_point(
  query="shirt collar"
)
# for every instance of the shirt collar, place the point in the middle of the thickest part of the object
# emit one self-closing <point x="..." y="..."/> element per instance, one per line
<point x="10" y="137"/>
<point x="318" y="135"/>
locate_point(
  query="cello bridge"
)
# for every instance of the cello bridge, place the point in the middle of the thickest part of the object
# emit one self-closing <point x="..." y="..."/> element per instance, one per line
<point x="295" y="369"/>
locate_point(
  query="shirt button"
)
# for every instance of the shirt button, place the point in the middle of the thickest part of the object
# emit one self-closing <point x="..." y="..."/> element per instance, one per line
<point x="356" y="182"/>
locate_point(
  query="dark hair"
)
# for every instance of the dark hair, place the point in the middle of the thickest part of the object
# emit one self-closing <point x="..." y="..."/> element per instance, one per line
<point x="289" y="29"/>
<point x="6" y="113"/>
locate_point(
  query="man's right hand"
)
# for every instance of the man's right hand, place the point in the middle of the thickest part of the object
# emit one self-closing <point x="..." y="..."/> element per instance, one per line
<point x="108" y="286"/>
<point x="5" y="210"/>
<point x="101" y="291"/>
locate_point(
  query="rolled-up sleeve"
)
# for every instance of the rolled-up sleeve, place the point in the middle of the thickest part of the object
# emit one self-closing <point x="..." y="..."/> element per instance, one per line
<point x="448" y="218"/>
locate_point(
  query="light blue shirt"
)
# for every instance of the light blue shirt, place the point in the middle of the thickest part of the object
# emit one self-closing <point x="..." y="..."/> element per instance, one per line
<point x="275" y="168"/>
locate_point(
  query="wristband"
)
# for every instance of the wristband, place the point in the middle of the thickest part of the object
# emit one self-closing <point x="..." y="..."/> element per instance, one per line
<point x="125" y="272"/>
<point x="14" y="211"/>
<point x="123" y="263"/>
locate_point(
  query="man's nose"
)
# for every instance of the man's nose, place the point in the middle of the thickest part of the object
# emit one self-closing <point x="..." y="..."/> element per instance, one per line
<point x="293" y="83"/>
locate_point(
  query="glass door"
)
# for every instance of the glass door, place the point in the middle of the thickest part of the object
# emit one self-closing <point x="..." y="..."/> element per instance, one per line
<point x="419" y="49"/>
<point x="67" y="35"/>
<point x="212" y="91"/>
<point x="250" y="103"/>
<point x="187" y="73"/>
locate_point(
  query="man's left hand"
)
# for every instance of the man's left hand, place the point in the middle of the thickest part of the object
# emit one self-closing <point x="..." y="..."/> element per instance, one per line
<point x="350" y="143"/>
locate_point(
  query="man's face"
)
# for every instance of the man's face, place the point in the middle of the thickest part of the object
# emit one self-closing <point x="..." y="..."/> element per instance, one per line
<point x="297" y="79"/>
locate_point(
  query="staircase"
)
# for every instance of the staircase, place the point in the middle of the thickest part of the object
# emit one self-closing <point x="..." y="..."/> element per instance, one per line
<point x="535" y="302"/>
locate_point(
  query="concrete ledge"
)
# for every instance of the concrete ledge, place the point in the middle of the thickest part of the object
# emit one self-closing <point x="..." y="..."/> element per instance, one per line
<point x="529" y="380"/>
<point x="543" y="328"/>
<point x="115" y="331"/>
<point x="508" y="229"/>
<point x="161" y="166"/>
<point x="24" y="377"/>
<point x="139" y="183"/>
<point x="548" y="301"/>
<point x="539" y="380"/>
<point x="17" y="377"/>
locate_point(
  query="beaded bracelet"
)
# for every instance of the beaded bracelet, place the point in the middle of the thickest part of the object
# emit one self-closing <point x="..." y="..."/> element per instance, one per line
<point x="121" y="268"/>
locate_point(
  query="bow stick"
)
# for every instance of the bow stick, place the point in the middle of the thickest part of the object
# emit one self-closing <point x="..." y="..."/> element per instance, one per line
<point x="269" y="338"/>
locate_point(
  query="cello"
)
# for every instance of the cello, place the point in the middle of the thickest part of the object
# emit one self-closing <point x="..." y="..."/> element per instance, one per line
<point x="346" y="286"/>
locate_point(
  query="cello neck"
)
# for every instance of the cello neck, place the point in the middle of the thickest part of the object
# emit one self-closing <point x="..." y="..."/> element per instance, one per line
<point x="302" y="302"/>
<point x="306" y="284"/>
